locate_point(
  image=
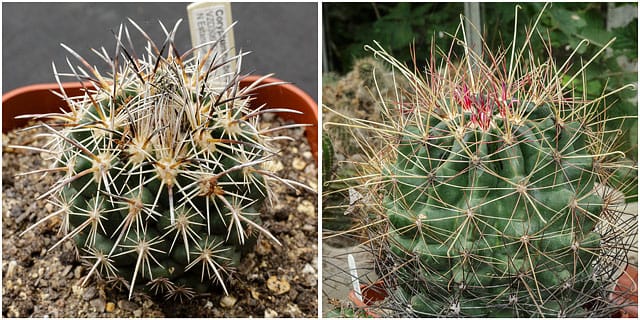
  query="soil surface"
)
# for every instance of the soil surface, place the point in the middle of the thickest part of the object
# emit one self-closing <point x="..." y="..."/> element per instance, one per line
<point x="274" y="281"/>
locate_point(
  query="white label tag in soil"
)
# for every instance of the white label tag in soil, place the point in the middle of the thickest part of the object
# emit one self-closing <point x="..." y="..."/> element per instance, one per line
<point x="210" y="22"/>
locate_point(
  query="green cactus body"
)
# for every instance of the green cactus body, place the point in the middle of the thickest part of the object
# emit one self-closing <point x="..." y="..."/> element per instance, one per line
<point x="486" y="210"/>
<point x="165" y="178"/>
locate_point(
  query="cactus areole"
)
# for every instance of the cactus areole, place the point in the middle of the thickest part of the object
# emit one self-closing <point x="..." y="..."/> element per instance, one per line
<point x="492" y="191"/>
<point x="164" y="164"/>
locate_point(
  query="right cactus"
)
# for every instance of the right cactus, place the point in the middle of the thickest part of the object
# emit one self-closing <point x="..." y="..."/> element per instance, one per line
<point x="494" y="191"/>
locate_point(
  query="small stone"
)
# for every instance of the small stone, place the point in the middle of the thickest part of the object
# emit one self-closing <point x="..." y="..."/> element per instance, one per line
<point x="293" y="310"/>
<point x="255" y="294"/>
<point x="110" y="307"/>
<point x="77" y="273"/>
<point x="298" y="164"/>
<point x="273" y="166"/>
<point x="49" y="207"/>
<point x="307" y="155"/>
<point x="98" y="304"/>
<point x="310" y="275"/>
<point x="8" y="285"/>
<point x="11" y="268"/>
<point x="127" y="305"/>
<point x="137" y="313"/>
<point x="268" y="117"/>
<point x="270" y="313"/>
<point x="66" y="270"/>
<point x="278" y="286"/>
<point x="68" y="246"/>
<point x="77" y="290"/>
<point x="308" y="269"/>
<point x="263" y="247"/>
<point x="208" y="305"/>
<point x="89" y="293"/>
<point x="228" y="301"/>
<point x="307" y="208"/>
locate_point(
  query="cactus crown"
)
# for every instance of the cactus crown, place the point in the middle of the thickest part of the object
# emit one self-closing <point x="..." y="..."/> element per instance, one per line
<point x="493" y="190"/>
<point x="164" y="166"/>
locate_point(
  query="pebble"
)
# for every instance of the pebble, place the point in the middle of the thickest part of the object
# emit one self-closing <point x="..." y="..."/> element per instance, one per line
<point x="263" y="247"/>
<point x="15" y="212"/>
<point x="255" y="294"/>
<point x="127" y="305"/>
<point x="111" y="307"/>
<point x="77" y="289"/>
<point x="69" y="245"/>
<point x="307" y="208"/>
<point x="66" y="270"/>
<point x="270" y="313"/>
<point x="11" y="268"/>
<point x="77" y="273"/>
<point x="278" y="286"/>
<point x="267" y="117"/>
<point x="293" y="310"/>
<point x="99" y="304"/>
<point x="89" y="293"/>
<point x="307" y="155"/>
<point x="298" y="164"/>
<point x="44" y="296"/>
<point x="228" y="301"/>
<point x="310" y="275"/>
<point x="308" y="269"/>
<point x="137" y="313"/>
<point x="274" y="165"/>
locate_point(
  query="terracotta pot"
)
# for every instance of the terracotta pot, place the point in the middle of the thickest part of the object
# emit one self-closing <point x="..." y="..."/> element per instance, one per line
<point x="36" y="99"/>
<point x="370" y="294"/>
<point x="625" y="293"/>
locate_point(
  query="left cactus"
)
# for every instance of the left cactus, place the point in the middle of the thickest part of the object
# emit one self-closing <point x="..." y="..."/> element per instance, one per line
<point x="164" y="163"/>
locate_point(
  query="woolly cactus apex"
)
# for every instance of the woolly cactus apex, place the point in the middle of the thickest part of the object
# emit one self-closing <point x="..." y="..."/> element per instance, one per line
<point x="494" y="192"/>
<point x="164" y="167"/>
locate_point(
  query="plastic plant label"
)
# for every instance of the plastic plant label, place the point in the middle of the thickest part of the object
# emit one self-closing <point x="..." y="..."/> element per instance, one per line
<point x="211" y="22"/>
